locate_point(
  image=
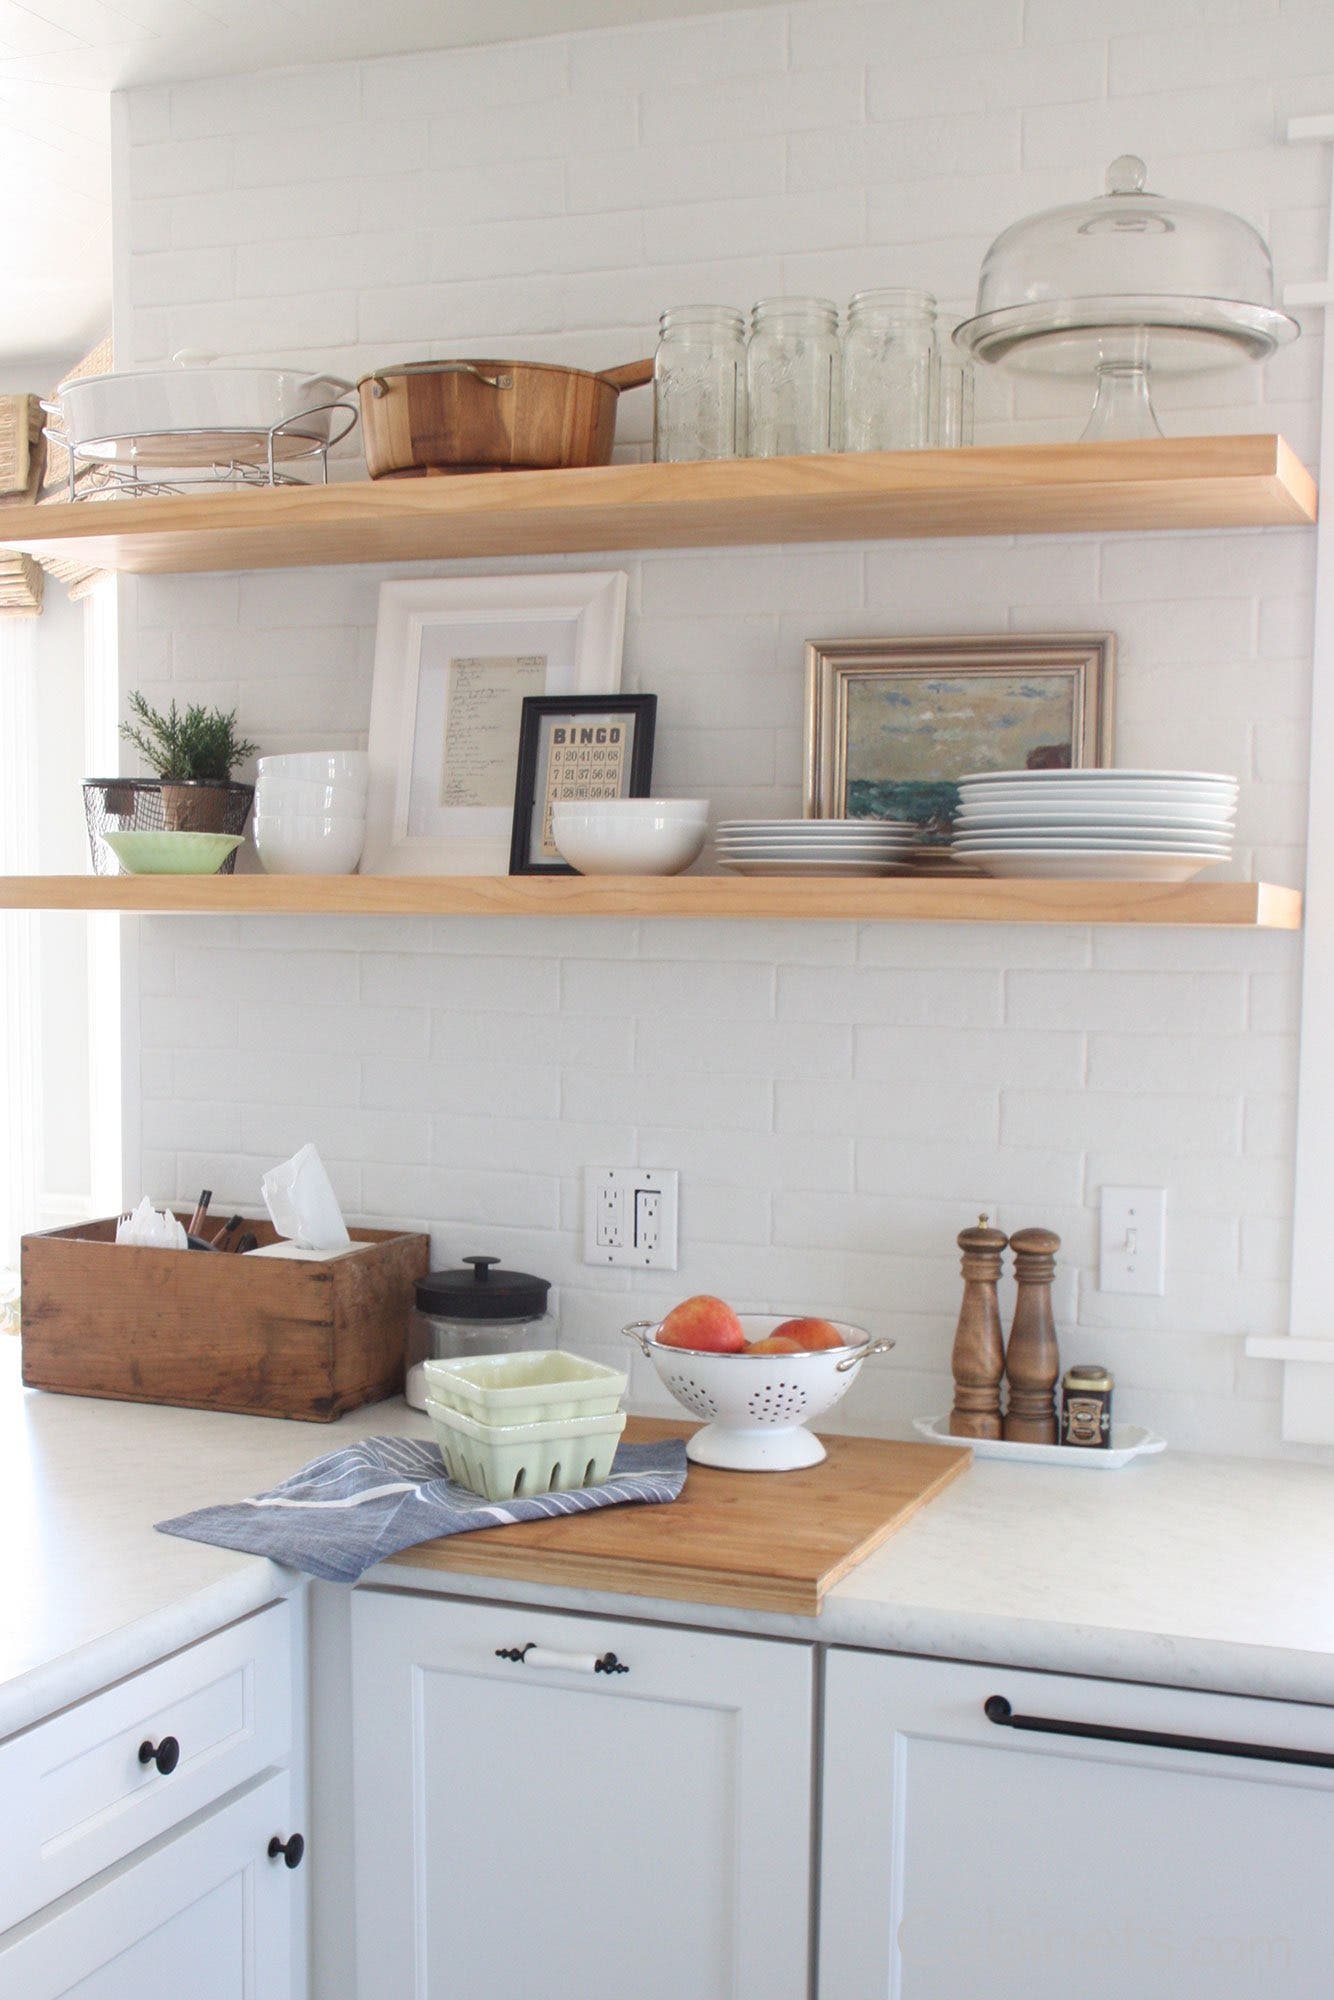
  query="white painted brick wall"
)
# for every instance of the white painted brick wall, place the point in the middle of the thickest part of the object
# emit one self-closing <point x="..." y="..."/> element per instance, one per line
<point x="840" y="1099"/>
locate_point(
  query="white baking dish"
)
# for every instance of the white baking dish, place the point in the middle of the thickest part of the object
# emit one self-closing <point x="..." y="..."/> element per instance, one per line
<point x="202" y="413"/>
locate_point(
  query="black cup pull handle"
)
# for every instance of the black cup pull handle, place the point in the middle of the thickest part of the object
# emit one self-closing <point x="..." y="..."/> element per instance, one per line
<point x="166" y="1754"/>
<point x="292" y="1849"/>
<point x="998" y="1710"/>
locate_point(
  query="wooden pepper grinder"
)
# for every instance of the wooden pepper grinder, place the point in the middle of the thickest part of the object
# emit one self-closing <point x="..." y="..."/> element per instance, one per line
<point x="979" y="1349"/>
<point x="1033" y="1360"/>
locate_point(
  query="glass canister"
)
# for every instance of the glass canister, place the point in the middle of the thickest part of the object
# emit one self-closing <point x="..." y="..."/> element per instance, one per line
<point x="794" y="376"/>
<point x="699" y="384"/>
<point x="890" y="363"/>
<point x="479" y="1309"/>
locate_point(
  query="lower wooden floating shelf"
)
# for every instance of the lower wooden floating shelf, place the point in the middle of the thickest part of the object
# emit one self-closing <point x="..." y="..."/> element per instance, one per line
<point x="904" y="899"/>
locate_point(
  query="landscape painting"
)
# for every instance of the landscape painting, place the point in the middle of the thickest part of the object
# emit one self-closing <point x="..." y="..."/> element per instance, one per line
<point x="893" y="736"/>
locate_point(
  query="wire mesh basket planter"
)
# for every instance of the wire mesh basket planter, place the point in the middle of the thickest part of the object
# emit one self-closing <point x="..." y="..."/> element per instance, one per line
<point x="148" y="805"/>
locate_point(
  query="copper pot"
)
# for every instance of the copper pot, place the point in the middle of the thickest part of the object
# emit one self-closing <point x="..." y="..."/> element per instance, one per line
<point x="490" y="416"/>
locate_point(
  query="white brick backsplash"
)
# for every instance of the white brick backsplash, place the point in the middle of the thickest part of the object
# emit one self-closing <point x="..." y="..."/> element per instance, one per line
<point x="840" y="1099"/>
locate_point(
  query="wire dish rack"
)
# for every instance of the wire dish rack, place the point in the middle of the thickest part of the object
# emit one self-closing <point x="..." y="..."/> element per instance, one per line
<point x="132" y="466"/>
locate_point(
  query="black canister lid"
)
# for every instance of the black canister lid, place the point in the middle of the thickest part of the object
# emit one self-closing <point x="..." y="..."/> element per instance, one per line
<point x="482" y="1293"/>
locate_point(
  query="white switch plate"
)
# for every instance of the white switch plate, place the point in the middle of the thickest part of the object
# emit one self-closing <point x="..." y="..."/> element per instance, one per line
<point x="1132" y="1246"/>
<point x="630" y="1216"/>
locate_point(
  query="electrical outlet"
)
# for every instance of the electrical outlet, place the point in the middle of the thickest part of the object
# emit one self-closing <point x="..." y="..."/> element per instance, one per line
<point x="1132" y="1247"/>
<point x="630" y="1216"/>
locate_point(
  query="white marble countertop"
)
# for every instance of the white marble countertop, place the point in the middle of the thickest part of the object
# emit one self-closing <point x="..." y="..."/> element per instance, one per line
<point x="1194" y="1572"/>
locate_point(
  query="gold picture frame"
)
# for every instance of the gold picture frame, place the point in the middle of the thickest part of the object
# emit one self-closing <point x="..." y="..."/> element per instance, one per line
<point x="891" y="724"/>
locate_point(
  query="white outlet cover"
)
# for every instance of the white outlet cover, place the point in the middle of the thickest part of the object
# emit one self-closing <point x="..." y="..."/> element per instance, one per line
<point x="611" y="1212"/>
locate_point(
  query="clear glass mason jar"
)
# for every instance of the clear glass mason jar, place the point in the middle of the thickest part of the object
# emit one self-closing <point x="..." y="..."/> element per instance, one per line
<point x="699" y="384"/>
<point x="890" y="362"/>
<point x="794" y="372"/>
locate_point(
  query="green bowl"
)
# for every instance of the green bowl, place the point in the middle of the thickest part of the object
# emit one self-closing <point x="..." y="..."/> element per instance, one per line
<point x="162" y="853"/>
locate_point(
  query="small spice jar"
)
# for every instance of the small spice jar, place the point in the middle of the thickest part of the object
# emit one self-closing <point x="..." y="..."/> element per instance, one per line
<point x="1086" y="1407"/>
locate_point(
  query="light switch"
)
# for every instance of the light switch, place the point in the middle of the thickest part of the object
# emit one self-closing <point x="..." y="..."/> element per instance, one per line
<point x="1132" y="1245"/>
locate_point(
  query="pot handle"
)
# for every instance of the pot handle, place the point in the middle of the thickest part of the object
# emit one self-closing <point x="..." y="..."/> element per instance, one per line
<point x="379" y="387"/>
<point x="850" y="1361"/>
<point x="630" y="375"/>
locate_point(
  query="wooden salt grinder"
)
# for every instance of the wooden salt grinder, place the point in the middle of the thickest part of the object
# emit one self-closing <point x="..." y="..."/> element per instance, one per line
<point x="1033" y="1359"/>
<point x="979" y="1349"/>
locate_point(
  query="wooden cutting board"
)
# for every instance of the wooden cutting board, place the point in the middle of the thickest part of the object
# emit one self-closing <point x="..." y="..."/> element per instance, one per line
<point x="771" y="1541"/>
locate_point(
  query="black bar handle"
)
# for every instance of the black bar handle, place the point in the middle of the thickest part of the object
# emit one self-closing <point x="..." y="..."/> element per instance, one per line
<point x="997" y="1709"/>
<point x="166" y="1754"/>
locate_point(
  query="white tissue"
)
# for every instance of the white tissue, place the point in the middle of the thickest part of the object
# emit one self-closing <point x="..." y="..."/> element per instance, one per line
<point x="151" y="1229"/>
<point x="303" y="1205"/>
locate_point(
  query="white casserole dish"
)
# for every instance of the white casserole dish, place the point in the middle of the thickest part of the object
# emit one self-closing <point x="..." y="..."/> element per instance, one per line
<point x="197" y="413"/>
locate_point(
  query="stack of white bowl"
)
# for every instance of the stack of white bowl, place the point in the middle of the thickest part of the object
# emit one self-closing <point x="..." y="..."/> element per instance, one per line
<point x="310" y="811"/>
<point x="629" y="836"/>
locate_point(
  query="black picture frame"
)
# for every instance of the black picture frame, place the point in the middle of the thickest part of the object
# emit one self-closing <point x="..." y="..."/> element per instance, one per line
<point x="543" y="712"/>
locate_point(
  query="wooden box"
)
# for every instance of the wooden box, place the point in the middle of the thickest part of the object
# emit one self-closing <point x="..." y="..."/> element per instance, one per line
<point x="267" y="1336"/>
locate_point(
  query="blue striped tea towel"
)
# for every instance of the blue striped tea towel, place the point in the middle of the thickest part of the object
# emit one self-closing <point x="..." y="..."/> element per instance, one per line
<point x="343" y="1513"/>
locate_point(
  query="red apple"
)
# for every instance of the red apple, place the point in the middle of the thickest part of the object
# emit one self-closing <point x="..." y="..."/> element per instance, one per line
<point x="777" y="1343"/>
<point x="810" y="1333"/>
<point x="706" y="1324"/>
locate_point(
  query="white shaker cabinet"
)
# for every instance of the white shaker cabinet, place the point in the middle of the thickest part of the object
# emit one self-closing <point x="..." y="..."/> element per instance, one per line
<point x="209" y="1914"/>
<point x="577" y="1807"/>
<point x="963" y="1855"/>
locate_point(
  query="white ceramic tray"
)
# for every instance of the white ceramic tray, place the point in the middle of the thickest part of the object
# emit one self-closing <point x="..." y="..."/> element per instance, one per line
<point x="1128" y="1441"/>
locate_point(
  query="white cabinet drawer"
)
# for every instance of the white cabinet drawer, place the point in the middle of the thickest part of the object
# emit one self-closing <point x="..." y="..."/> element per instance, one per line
<point x="208" y="1915"/>
<point x="77" y="1795"/>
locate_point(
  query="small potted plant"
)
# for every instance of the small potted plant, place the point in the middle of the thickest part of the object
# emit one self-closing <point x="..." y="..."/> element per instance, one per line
<point x="194" y="755"/>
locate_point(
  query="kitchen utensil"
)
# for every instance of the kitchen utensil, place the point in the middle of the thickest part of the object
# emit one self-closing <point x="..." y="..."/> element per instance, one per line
<point x="699" y="384"/>
<point x="524" y="1388"/>
<point x="1121" y="287"/>
<point x="508" y="1461"/>
<point x="163" y="853"/>
<point x="1128" y="1441"/>
<point x="1032" y="1358"/>
<point x="794" y="372"/>
<point x="200" y="413"/>
<point x="297" y="843"/>
<point x="978" y="1356"/>
<point x="490" y="416"/>
<point x="475" y="1310"/>
<point x="658" y="837"/>
<point x="756" y="1406"/>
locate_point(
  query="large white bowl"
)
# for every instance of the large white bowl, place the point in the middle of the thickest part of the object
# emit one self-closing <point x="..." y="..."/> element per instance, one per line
<point x="309" y="843"/>
<point x="756" y="1406"/>
<point x="660" y="841"/>
<point x="326" y="767"/>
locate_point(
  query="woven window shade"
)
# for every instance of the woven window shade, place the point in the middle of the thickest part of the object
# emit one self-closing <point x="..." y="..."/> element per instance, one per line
<point x="55" y="477"/>
<point x="22" y="466"/>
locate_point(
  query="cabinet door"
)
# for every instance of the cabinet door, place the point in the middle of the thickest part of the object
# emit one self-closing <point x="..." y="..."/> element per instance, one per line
<point x="535" y="1826"/>
<point x="964" y="1856"/>
<point x="207" y="1916"/>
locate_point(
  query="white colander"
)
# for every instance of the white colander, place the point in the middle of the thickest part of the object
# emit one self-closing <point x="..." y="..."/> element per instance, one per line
<point x="756" y="1406"/>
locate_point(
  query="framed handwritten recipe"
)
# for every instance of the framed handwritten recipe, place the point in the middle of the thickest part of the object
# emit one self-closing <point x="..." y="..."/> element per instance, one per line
<point x="576" y="747"/>
<point x="456" y="659"/>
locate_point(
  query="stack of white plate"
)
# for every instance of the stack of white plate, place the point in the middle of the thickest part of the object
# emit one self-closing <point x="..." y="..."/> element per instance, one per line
<point x="1123" y="826"/>
<point x="815" y="846"/>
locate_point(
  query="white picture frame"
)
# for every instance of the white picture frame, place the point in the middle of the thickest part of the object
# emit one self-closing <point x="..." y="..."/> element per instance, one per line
<point x="565" y="629"/>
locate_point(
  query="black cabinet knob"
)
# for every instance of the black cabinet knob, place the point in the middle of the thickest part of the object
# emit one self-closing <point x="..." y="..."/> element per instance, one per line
<point x="292" y="1849"/>
<point x="166" y="1754"/>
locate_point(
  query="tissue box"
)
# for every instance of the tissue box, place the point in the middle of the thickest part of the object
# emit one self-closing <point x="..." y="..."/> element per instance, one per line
<point x="266" y="1336"/>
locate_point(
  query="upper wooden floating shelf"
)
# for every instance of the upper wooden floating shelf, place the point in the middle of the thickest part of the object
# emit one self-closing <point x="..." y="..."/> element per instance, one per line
<point x="905" y="899"/>
<point x="1211" y="482"/>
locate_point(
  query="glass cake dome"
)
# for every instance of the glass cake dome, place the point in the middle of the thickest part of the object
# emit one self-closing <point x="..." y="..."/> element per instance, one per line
<point x="1123" y="286"/>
